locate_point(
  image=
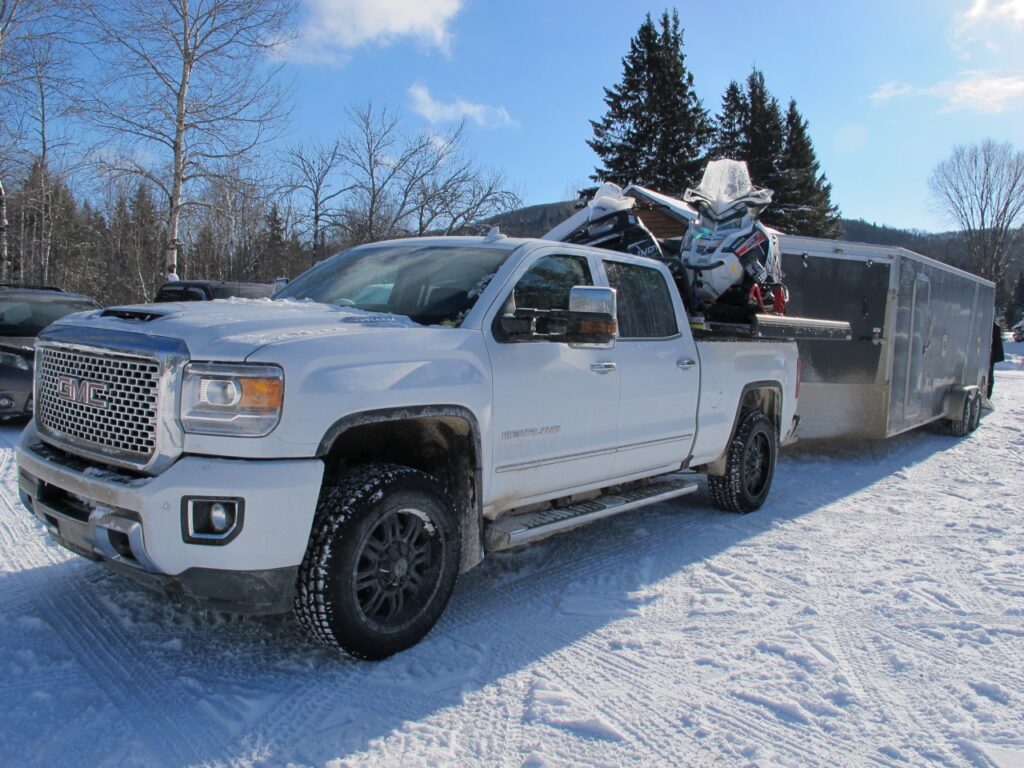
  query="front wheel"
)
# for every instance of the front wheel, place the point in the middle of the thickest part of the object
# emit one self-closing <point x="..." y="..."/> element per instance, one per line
<point x="749" y="465"/>
<point x="381" y="562"/>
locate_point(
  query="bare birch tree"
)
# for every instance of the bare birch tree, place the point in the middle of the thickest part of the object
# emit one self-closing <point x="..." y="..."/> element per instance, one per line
<point x="981" y="188"/>
<point x="402" y="184"/>
<point x="314" y="171"/>
<point x="22" y="22"/>
<point x="188" y="86"/>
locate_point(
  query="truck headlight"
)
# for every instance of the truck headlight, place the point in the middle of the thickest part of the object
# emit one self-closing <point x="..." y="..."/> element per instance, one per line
<point x="243" y="400"/>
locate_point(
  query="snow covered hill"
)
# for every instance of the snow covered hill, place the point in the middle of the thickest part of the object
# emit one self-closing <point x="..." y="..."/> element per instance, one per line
<point x="872" y="613"/>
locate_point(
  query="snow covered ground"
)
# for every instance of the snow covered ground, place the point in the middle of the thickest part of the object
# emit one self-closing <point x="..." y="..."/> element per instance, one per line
<point x="872" y="613"/>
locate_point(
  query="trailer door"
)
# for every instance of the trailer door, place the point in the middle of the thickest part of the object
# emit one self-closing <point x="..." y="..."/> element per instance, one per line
<point x="920" y="333"/>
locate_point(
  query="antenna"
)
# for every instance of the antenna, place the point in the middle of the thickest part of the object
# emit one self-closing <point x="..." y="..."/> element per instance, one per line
<point x="493" y="235"/>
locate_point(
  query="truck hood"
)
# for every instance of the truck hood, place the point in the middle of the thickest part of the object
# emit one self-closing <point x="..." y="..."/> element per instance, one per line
<point x="230" y="329"/>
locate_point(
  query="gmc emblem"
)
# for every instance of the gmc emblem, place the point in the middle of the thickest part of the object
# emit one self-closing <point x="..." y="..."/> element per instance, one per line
<point x="82" y="391"/>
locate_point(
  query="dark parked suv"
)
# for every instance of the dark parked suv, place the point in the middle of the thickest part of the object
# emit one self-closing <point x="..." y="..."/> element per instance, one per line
<point x="24" y="312"/>
<point x="207" y="290"/>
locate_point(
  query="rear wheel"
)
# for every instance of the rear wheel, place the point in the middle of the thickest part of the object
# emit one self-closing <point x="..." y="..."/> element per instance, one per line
<point x="381" y="563"/>
<point x="749" y="467"/>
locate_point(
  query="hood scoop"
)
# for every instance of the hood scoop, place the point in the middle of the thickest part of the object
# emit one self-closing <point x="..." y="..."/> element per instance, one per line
<point x="135" y="315"/>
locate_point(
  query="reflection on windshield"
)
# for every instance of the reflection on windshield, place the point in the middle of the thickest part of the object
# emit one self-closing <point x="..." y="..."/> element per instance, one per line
<point x="431" y="284"/>
<point x="28" y="318"/>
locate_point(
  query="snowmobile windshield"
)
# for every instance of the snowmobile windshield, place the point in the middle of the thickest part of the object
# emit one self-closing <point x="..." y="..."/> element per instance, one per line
<point x="726" y="191"/>
<point x="430" y="284"/>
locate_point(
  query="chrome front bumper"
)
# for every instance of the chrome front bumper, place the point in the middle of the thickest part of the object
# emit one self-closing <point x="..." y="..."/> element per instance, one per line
<point x="134" y="523"/>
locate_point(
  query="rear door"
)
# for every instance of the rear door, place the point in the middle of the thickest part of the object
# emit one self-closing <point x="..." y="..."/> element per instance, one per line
<point x="658" y="368"/>
<point x="920" y="340"/>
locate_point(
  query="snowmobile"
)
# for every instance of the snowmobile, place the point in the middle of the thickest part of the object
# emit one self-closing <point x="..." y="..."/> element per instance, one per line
<point x="725" y="262"/>
<point x="733" y="260"/>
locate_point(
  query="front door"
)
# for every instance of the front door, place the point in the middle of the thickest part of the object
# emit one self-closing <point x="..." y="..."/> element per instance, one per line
<point x="555" y="405"/>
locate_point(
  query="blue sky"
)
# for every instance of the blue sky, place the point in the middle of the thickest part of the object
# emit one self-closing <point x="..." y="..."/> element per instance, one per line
<point x="887" y="87"/>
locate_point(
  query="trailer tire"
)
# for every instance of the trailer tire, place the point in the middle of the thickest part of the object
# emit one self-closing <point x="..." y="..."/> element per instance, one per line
<point x="749" y="465"/>
<point x="976" y="411"/>
<point x="961" y="425"/>
<point x="381" y="563"/>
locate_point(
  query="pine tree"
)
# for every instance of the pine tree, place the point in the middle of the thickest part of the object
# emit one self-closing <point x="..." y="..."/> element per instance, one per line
<point x="763" y="134"/>
<point x="731" y="124"/>
<point x="656" y="130"/>
<point x="803" y="198"/>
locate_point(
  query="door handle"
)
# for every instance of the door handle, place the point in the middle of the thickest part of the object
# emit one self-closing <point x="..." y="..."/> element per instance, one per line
<point x="685" y="364"/>
<point x="602" y="367"/>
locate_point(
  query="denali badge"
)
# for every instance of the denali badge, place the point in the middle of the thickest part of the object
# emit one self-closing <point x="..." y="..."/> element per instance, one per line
<point x="82" y="391"/>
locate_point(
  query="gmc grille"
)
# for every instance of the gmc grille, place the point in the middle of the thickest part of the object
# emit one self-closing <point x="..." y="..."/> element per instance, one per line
<point x="107" y="403"/>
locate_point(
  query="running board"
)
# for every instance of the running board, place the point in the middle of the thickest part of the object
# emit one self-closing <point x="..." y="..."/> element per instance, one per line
<point x="515" y="530"/>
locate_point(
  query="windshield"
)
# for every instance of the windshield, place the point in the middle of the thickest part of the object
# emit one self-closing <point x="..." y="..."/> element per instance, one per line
<point x="23" y="317"/>
<point x="430" y="284"/>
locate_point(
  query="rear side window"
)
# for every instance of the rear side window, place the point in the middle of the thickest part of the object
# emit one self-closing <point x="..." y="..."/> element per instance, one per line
<point x="644" y="302"/>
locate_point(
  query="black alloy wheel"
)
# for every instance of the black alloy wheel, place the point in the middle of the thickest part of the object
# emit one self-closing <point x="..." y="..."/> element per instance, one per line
<point x="397" y="568"/>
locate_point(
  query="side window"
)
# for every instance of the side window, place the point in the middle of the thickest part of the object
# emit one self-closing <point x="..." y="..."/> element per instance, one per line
<point x="195" y="294"/>
<point x="644" y="302"/>
<point x="547" y="283"/>
<point x="170" y="293"/>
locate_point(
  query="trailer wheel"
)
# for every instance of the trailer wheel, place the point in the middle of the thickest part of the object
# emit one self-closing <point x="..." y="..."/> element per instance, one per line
<point x="961" y="425"/>
<point x="975" y="411"/>
<point x="749" y="466"/>
<point x="381" y="563"/>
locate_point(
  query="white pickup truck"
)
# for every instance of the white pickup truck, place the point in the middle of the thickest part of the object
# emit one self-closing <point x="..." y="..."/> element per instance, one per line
<point x="393" y="415"/>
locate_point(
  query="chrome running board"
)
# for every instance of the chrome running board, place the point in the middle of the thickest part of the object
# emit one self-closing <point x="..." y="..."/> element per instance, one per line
<point x="515" y="530"/>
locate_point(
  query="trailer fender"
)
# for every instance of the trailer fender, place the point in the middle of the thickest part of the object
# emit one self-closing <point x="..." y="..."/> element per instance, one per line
<point x="953" y="403"/>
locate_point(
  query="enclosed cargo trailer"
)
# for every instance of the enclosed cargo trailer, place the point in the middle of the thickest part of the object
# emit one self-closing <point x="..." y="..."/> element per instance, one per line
<point x="921" y="337"/>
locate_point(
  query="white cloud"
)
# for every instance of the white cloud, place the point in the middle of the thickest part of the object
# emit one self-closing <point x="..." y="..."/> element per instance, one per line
<point x="988" y="23"/>
<point x="335" y="27"/>
<point x="891" y="90"/>
<point x="985" y="12"/>
<point x="983" y="92"/>
<point x="435" y="111"/>
<point x="980" y="92"/>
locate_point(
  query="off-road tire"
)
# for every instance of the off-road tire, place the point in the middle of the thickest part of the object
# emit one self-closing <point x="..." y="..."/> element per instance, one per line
<point x="359" y="549"/>
<point x="749" y="465"/>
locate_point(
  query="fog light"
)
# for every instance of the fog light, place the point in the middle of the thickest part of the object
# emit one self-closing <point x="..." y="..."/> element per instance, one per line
<point x="210" y="521"/>
<point x="219" y="519"/>
<point x="6" y="402"/>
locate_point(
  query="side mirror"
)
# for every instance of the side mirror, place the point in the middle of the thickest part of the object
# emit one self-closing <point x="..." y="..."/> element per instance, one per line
<point x="593" y="315"/>
<point x="590" y="319"/>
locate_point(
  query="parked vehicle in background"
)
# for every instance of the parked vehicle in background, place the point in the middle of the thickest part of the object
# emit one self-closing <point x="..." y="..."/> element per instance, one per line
<point x="24" y="312"/>
<point x="207" y="290"/>
<point x="395" y="414"/>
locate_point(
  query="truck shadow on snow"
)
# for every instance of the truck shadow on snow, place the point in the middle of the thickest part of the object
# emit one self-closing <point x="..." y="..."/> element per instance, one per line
<point x="201" y="687"/>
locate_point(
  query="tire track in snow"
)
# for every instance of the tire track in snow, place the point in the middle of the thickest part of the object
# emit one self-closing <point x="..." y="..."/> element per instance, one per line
<point x="118" y="667"/>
